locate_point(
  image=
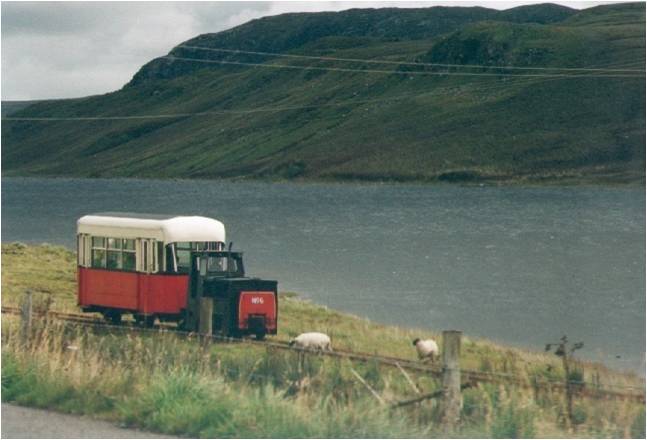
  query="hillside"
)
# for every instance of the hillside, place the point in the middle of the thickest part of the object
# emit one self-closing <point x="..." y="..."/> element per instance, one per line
<point x="9" y="107"/>
<point x="339" y="119"/>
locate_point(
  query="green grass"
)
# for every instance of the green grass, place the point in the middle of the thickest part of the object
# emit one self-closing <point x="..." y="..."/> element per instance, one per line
<point x="168" y="384"/>
<point x="453" y="129"/>
<point x="161" y="383"/>
<point x="183" y="402"/>
<point x="50" y="272"/>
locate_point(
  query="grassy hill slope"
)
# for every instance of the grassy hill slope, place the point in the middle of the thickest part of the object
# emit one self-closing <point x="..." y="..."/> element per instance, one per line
<point x="411" y="124"/>
<point x="9" y="107"/>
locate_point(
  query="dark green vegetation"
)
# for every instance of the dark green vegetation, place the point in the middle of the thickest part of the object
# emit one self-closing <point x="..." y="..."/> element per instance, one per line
<point x="414" y="127"/>
<point x="169" y="384"/>
<point x="9" y="107"/>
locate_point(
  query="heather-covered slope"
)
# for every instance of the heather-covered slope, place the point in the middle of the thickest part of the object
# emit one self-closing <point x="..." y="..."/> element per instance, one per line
<point x="410" y="124"/>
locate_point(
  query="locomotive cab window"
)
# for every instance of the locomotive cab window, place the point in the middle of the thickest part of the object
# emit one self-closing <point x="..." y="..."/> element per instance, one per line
<point x="178" y="255"/>
<point x="224" y="265"/>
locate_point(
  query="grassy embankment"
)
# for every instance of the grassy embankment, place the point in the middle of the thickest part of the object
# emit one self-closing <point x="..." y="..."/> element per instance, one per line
<point x="159" y="382"/>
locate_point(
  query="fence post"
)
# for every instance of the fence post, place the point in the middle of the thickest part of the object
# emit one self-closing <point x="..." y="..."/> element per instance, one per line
<point x="569" y="391"/>
<point x="206" y="316"/>
<point x="25" y="317"/>
<point x="452" y="399"/>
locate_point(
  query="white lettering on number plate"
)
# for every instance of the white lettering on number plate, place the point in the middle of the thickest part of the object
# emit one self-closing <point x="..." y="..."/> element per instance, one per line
<point x="257" y="300"/>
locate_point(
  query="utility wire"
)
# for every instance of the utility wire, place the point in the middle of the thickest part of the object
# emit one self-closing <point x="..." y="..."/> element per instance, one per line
<point x="485" y="85"/>
<point x="407" y="63"/>
<point x="437" y="92"/>
<point x="399" y="72"/>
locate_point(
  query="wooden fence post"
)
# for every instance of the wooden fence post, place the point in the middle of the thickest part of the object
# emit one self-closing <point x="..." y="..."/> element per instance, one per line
<point x="452" y="399"/>
<point x="206" y="316"/>
<point x="25" y="317"/>
<point x="568" y="390"/>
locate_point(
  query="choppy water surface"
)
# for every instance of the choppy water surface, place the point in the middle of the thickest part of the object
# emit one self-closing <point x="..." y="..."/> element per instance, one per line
<point x="517" y="265"/>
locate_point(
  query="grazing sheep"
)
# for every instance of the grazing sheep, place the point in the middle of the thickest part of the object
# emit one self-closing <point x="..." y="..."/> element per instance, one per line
<point x="426" y="348"/>
<point x="312" y="341"/>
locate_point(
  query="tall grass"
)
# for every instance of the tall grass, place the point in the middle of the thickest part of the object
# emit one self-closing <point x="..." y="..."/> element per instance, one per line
<point x="163" y="383"/>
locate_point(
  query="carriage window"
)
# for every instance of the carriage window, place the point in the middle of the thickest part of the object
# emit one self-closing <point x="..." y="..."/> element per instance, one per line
<point x="160" y="257"/>
<point x="113" y="253"/>
<point x="114" y="260"/>
<point x="128" y="258"/>
<point x="98" y="252"/>
<point x="98" y="258"/>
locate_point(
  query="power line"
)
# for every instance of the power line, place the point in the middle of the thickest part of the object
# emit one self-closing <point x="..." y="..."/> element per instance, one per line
<point x="398" y="72"/>
<point x="484" y="85"/>
<point x="408" y="63"/>
<point x="438" y="92"/>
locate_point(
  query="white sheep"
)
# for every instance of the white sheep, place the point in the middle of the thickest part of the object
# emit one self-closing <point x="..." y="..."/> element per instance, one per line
<point x="426" y="348"/>
<point x="312" y="341"/>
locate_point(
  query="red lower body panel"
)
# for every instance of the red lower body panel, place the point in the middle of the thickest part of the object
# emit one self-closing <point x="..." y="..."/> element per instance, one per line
<point x="257" y="304"/>
<point x="132" y="291"/>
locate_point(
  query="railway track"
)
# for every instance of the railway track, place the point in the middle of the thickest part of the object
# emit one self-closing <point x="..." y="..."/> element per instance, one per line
<point x="72" y="317"/>
<point x="98" y="322"/>
<point x="469" y="376"/>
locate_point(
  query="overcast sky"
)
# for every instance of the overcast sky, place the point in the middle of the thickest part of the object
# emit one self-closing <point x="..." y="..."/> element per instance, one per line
<point x="72" y="49"/>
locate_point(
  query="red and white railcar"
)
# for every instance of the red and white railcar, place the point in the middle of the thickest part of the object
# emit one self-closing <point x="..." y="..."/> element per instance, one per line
<point x="139" y="264"/>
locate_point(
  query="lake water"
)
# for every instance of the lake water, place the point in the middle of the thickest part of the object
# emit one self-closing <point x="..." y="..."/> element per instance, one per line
<point x="521" y="266"/>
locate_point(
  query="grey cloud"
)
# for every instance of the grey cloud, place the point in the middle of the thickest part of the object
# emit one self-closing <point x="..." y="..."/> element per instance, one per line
<point x="54" y="50"/>
<point x="53" y="17"/>
<point x="78" y="17"/>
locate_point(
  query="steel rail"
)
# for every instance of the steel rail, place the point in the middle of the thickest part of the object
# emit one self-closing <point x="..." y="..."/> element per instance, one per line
<point x="357" y="356"/>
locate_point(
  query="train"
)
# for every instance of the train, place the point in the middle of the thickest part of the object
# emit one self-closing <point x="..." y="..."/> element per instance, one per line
<point x="159" y="267"/>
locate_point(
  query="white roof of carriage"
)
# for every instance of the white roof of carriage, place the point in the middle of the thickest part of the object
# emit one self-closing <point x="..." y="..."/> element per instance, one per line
<point x="165" y="228"/>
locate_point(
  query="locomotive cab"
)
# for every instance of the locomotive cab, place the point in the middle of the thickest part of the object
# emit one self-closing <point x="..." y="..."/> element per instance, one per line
<point x="240" y="305"/>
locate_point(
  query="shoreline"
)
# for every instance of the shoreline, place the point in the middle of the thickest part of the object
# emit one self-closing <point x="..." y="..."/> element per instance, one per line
<point x="522" y="182"/>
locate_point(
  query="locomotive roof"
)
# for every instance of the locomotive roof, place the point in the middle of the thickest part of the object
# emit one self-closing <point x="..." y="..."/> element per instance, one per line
<point x="165" y="228"/>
